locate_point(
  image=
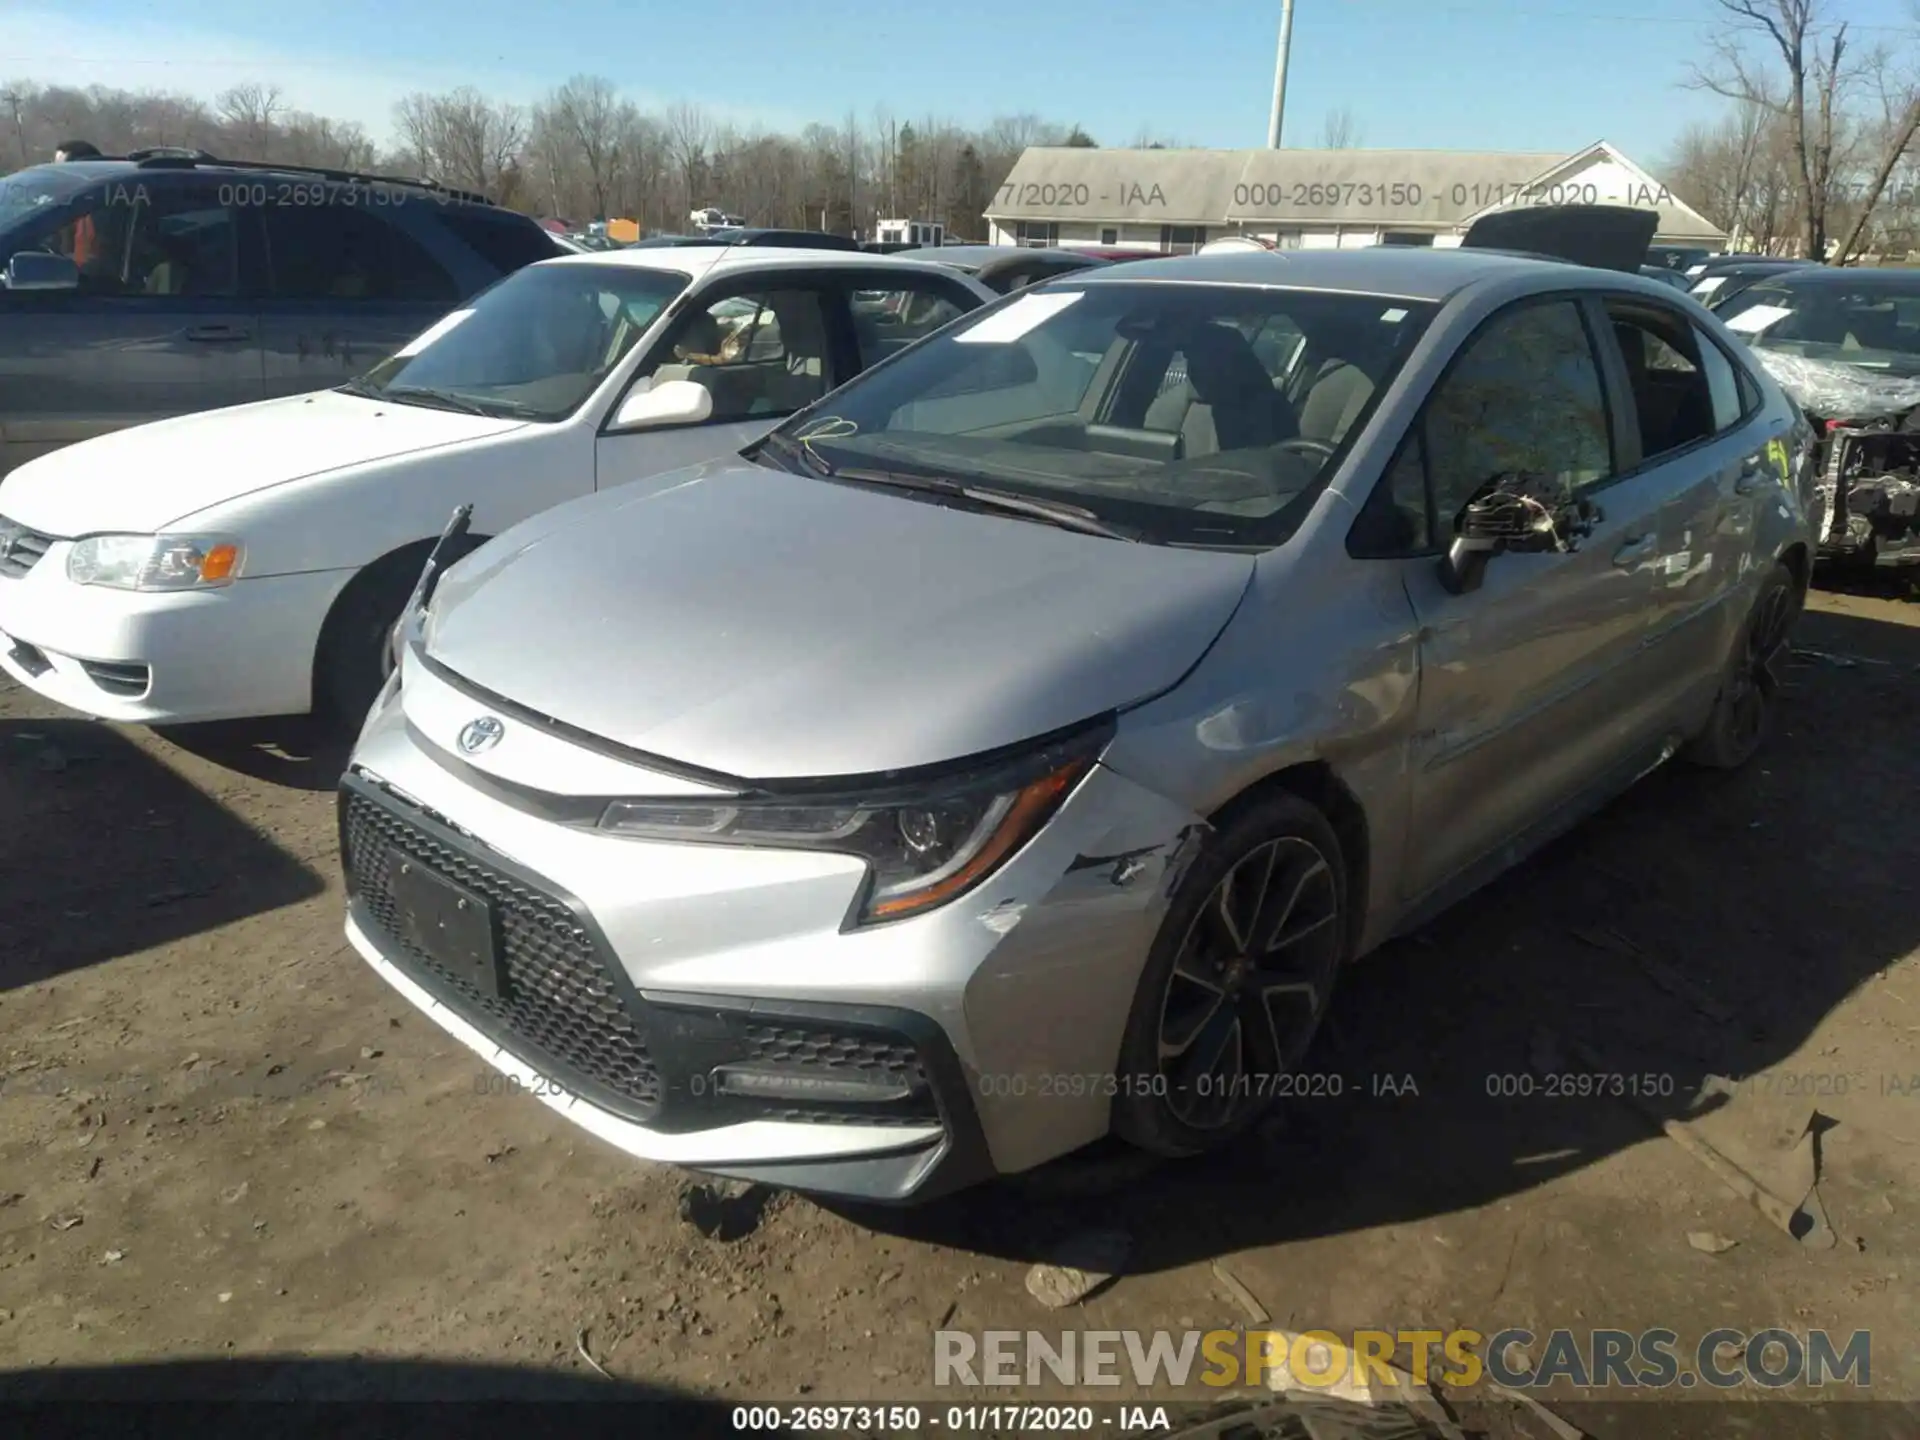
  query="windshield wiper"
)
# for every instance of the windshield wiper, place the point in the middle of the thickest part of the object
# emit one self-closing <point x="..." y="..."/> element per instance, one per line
<point x="798" y="450"/>
<point x="1057" y="512"/>
<point x="359" y="386"/>
<point x="1051" y="512"/>
<point x="435" y="399"/>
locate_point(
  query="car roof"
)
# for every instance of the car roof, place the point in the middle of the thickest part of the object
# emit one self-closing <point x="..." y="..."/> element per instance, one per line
<point x="975" y="257"/>
<point x="1873" y="278"/>
<point x="1403" y="271"/>
<point x="699" y="260"/>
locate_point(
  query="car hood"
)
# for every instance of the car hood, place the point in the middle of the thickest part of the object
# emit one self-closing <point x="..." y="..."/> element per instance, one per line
<point x="144" y="478"/>
<point x="766" y="625"/>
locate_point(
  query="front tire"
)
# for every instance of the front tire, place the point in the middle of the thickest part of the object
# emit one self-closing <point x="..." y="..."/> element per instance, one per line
<point x="354" y="659"/>
<point x="1743" y="712"/>
<point x="1237" y="982"/>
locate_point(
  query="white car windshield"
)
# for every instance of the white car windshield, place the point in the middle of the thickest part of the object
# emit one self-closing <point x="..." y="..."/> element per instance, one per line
<point x="534" y="346"/>
<point x="1194" y="414"/>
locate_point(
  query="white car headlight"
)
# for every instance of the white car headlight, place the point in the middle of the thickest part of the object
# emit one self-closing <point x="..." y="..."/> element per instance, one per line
<point x="156" y="562"/>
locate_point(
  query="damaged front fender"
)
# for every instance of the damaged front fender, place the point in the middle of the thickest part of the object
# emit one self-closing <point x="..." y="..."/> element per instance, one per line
<point x="1075" y="949"/>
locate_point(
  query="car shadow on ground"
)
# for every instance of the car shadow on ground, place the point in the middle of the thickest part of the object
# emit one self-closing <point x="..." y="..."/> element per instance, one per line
<point x="1703" y="924"/>
<point x="297" y="1396"/>
<point x="295" y="752"/>
<point x="70" y="791"/>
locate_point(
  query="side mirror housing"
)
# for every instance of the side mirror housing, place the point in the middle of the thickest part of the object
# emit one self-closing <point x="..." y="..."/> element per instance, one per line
<point x="37" y="270"/>
<point x="671" y="402"/>
<point x="1514" y="512"/>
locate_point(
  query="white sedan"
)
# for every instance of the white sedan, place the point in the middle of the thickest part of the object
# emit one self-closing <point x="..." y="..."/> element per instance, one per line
<point x="251" y="561"/>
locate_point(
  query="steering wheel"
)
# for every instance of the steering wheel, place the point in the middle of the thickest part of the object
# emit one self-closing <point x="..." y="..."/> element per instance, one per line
<point x="1321" y="450"/>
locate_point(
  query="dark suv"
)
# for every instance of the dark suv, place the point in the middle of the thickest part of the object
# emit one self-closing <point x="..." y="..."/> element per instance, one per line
<point x="165" y="282"/>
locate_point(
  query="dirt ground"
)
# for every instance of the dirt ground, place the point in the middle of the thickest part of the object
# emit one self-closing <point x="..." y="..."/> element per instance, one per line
<point x="221" y="1135"/>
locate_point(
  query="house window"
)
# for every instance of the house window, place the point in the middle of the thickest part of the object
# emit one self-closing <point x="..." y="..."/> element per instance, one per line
<point x="1110" y="236"/>
<point x="1182" y="239"/>
<point x="1405" y="237"/>
<point x="1036" y="232"/>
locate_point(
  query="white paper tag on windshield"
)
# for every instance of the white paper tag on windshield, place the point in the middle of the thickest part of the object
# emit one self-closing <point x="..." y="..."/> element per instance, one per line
<point x="1025" y="314"/>
<point x="432" y="333"/>
<point x="1752" y="322"/>
<point x="1710" y="284"/>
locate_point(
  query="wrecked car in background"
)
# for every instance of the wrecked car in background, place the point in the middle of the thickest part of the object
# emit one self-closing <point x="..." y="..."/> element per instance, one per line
<point x="1845" y="344"/>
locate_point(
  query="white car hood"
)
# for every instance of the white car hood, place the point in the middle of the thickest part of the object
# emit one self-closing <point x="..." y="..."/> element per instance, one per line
<point x="143" y="479"/>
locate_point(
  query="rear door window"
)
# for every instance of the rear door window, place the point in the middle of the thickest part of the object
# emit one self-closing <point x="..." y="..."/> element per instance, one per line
<point x="347" y="253"/>
<point x="504" y="240"/>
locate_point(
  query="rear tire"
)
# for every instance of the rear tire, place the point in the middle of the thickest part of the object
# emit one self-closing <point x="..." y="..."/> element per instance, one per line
<point x="354" y="656"/>
<point x="1743" y="711"/>
<point x="1237" y="982"/>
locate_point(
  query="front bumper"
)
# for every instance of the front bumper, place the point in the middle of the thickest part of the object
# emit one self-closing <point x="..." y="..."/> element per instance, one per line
<point x="704" y="1006"/>
<point x="154" y="658"/>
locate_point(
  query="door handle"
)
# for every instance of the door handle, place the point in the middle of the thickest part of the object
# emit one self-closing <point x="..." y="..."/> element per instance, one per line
<point x="1641" y="547"/>
<point x="208" y="334"/>
<point x="1752" y="471"/>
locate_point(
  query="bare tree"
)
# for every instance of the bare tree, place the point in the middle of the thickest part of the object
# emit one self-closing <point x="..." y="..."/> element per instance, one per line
<point x="15" y="97"/>
<point x="689" y="133"/>
<point x="1340" y="130"/>
<point x="1802" y="73"/>
<point x="462" y="137"/>
<point x="252" y="112"/>
<point x="588" y="113"/>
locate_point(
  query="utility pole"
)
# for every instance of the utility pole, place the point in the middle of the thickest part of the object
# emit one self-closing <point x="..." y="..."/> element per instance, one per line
<point x="1280" y="75"/>
<point x="13" y="98"/>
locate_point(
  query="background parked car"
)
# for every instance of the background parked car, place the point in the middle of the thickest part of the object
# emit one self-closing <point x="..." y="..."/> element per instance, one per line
<point x="1004" y="268"/>
<point x="165" y="283"/>
<point x="1677" y="257"/>
<point x="1666" y="275"/>
<point x="1845" y="343"/>
<point x="1714" y="286"/>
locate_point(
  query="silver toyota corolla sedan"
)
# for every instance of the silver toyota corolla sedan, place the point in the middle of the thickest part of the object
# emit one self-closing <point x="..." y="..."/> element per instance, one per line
<point x="1014" y="746"/>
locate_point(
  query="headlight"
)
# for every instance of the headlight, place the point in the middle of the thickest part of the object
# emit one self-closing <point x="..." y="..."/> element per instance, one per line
<point x="155" y="562"/>
<point x="924" y="844"/>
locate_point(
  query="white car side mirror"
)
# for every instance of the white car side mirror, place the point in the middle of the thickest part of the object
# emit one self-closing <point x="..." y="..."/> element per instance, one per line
<point x="671" y="402"/>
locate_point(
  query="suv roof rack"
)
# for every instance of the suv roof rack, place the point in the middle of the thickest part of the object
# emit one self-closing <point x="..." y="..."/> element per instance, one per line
<point x="171" y="157"/>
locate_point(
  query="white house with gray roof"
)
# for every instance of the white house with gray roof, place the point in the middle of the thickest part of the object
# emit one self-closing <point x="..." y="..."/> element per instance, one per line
<point x="1177" y="200"/>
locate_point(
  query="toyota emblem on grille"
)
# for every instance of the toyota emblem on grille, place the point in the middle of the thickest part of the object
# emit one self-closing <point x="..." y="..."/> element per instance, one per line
<point x="481" y="734"/>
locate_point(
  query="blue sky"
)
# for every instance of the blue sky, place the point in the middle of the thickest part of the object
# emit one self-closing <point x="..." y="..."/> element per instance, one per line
<point x="1543" y="75"/>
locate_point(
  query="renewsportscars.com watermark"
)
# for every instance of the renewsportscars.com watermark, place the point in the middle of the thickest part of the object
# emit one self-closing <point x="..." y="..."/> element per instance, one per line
<point x="1519" y="1359"/>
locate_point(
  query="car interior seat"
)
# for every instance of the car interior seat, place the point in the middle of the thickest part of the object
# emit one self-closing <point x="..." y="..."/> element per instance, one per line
<point x="1674" y="406"/>
<point x="801" y="378"/>
<point x="1334" y="401"/>
<point x="1226" y="400"/>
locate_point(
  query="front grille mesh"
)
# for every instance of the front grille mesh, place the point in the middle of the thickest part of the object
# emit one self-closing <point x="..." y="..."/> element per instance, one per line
<point x="835" y="1052"/>
<point x="20" y="548"/>
<point x="560" y="1002"/>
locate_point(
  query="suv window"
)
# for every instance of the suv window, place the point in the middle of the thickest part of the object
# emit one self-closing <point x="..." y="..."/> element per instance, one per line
<point x="165" y="241"/>
<point x="761" y="354"/>
<point x="1672" y="393"/>
<point x="1523" y="395"/>
<point x="346" y="252"/>
<point x="504" y="240"/>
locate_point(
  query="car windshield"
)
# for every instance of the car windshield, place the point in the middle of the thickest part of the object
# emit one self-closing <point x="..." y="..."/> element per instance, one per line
<point x="534" y="346"/>
<point x="1876" y="326"/>
<point x="1187" y="414"/>
<point x="29" y="194"/>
